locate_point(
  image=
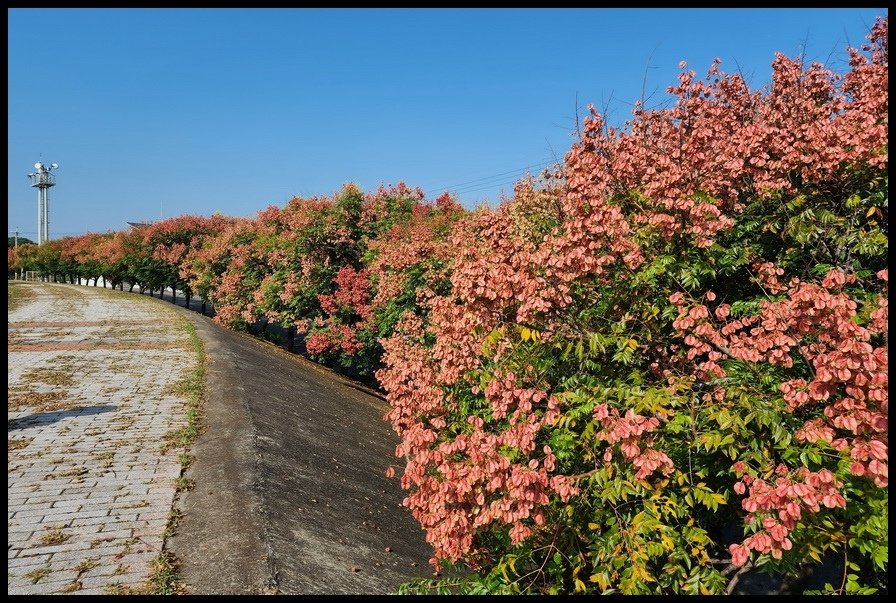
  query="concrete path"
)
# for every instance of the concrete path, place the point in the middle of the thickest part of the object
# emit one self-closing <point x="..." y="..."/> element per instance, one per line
<point x="291" y="495"/>
<point x="92" y="384"/>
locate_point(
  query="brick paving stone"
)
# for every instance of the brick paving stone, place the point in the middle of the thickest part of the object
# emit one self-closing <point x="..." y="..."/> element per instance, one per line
<point x="90" y="382"/>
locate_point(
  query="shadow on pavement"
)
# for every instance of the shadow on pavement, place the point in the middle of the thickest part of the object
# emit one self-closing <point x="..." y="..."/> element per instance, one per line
<point x="46" y="418"/>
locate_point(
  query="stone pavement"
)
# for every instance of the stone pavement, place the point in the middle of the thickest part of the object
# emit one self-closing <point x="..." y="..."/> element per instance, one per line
<point x="93" y="387"/>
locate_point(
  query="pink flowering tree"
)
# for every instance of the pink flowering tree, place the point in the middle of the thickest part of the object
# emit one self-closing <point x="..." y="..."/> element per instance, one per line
<point x="316" y="239"/>
<point x="227" y="268"/>
<point x="166" y="245"/>
<point x="666" y="364"/>
<point x="333" y="278"/>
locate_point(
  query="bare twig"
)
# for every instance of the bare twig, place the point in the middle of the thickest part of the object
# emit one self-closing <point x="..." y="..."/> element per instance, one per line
<point x="736" y="578"/>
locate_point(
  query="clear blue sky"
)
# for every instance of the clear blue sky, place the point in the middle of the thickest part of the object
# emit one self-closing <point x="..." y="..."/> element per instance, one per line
<point x="162" y="112"/>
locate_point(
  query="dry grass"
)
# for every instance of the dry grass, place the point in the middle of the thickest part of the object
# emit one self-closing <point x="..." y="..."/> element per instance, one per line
<point x="17" y="296"/>
<point x="73" y="472"/>
<point x="36" y="575"/>
<point x="54" y="535"/>
<point x="42" y="401"/>
<point x="18" y="443"/>
<point x="73" y="586"/>
<point x="49" y="376"/>
<point x="86" y="565"/>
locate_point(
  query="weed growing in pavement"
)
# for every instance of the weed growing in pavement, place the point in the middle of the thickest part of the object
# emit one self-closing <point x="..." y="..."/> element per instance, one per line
<point x="54" y="535"/>
<point x="36" y="575"/>
<point x="164" y="578"/>
<point x="86" y="565"/>
<point x="17" y="443"/>
<point x="184" y="484"/>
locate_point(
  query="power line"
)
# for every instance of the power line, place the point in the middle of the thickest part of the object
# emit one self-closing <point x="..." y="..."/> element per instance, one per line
<point x="462" y="188"/>
<point x="27" y="232"/>
<point x="485" y="183"/>
<point x="484" y="188"/>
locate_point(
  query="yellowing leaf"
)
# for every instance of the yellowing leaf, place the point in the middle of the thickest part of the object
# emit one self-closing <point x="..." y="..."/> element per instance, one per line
<point x="601" y="579"/>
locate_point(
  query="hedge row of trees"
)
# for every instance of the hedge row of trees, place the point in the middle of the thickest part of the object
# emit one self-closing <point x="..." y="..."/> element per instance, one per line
<point x="679" y="331"/>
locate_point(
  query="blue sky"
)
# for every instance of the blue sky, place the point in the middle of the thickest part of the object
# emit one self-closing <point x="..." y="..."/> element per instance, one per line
<point x="161" y="112"/>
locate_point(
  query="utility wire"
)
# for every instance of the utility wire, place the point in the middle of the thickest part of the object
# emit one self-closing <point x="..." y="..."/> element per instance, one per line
<point x="486" y="182"/>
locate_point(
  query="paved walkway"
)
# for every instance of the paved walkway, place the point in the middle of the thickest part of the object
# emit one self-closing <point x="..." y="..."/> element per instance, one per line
<point x="92" y="390"/>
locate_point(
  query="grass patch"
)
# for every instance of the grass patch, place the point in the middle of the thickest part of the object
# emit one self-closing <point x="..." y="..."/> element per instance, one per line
<point x="73" y="472"/>
<point x="36" y="575"/>
<point x="184" y="484"/>
<point x="185" y="459"/>
<point x="164" y="578"/>
<point x="136" y="505"/>
<point x="49" y="376"/>
<point x="17" y="296"/>
<point x="23" y="397"/>
<point x="53" y="535"/>
<point x="73" y="586"/>
<point x="193" y="386"/>
<point x="86" y="565"/>
<point x="117" y="588"/>
<point x="174" y="517"/>
<point x="18" y="443"/>
<point x="121" y="569"/>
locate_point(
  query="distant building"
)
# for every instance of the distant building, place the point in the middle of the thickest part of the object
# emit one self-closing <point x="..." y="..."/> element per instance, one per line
<point x="139" y="225"/>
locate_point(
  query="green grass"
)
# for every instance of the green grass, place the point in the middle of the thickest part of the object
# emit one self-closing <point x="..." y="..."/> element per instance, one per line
<point x="193" y="386"/>
<point x="165" y="579"/>
<point x="184" y="484"/>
